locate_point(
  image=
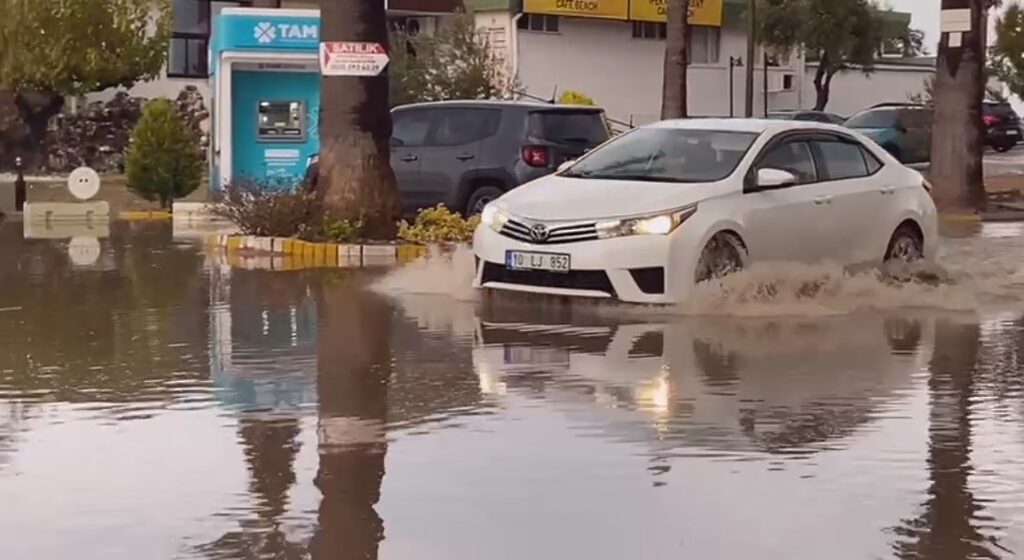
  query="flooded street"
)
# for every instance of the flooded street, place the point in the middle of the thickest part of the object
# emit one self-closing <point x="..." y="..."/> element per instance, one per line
<point x="157" y="403"/>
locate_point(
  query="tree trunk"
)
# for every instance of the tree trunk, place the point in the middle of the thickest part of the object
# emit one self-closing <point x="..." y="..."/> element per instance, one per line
<point x="677" y="41"/>
<point x="353" y="380"/>
<point x="957" y="147"/>
<point x="356" y="181"/>
<point x="36" y="110"/>
<point x="822" y="83"/>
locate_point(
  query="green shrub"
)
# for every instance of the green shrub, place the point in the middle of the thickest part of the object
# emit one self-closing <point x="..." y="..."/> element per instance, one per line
<point x="438" y="225"/>
<point x="268" y="208"/>
<point x="339" y="230"/>
<point x="163" y="160"/>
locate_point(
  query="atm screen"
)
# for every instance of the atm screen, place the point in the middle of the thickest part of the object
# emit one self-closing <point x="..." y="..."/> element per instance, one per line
<point x="282" y="120"/>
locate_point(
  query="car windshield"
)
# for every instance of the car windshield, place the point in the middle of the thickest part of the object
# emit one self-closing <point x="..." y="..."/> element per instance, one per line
<point x="878" y="118"/>
<point x="580" y="127"/>
<point x="666" y="155"/>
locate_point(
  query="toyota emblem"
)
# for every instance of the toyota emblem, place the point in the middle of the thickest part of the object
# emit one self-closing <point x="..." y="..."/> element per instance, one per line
<point x="539" y="233"/>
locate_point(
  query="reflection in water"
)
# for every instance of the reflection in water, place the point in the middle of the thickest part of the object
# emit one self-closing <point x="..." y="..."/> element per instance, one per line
<point x="354" y="372"/>
<point x="592" y="433"/>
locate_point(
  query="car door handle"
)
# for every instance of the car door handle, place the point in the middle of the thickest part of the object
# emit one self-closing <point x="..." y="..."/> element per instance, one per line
<point x="464" y="157"/>
<point x="410" y="157"/>
<point x="887" y="190"/>
<point x="822" y="200"/>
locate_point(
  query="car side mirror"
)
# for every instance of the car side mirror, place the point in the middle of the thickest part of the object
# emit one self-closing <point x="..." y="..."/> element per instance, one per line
<point x="770" y="179"/>
<point x="565" y="165"/>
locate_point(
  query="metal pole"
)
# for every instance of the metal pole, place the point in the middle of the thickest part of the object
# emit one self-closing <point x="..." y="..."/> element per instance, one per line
<point x="751" y="55"/>
<point x="20" y="189"/>
<point x="732" y="98"/>
<point x="765" y="85"/>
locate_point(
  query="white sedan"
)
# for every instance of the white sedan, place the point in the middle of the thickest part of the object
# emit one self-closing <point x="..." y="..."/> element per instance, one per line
<point x="650" y="214"/>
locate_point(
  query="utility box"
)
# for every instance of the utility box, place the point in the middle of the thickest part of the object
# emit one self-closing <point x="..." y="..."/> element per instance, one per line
<point x="265" y="84"/>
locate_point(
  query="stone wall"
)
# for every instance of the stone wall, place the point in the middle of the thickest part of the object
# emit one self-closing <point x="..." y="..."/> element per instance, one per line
<point x="97" y="135"/>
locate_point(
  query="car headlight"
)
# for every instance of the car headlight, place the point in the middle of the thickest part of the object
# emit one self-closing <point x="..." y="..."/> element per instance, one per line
<point x="657" y="224"/>
<point x="493" y="217"/>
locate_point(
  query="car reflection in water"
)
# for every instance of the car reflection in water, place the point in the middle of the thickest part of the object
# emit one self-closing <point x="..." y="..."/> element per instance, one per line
<point x="785" y="386"/>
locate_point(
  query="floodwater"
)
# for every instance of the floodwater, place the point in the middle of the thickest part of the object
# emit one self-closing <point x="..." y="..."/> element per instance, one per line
<point x="158" y="404"/>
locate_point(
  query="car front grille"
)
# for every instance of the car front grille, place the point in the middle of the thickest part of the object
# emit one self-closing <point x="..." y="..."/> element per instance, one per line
<point x="562" y="233"/>
<point x="592" y="280"/>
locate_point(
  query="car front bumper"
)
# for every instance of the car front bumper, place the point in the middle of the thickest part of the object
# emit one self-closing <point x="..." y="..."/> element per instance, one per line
<point x="649" y="269"/>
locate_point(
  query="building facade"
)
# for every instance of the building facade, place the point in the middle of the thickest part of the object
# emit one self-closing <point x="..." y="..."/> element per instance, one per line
<point x="613" y="51"/>
<point x="610" y="50"/>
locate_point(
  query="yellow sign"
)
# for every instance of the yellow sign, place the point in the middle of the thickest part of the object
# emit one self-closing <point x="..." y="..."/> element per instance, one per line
<point x="702" y="12"/>
<point x="604" y="9"/>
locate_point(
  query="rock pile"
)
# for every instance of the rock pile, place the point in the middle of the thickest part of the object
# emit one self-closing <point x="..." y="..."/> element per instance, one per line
<point x="97" y="135"/>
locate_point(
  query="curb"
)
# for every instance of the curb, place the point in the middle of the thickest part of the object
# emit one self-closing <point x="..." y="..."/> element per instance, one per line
<point x="144" y="215"/>
<point x="960" y="217"/>
<point x="279" y="253"/>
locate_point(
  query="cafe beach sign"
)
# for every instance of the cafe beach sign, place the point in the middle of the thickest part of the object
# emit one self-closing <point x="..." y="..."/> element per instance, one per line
<point x="702" y="12"/>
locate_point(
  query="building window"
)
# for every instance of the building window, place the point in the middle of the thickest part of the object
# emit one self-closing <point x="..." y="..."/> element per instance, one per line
<point x="538" y="22"/>
<point x="649" y="30"/>
<point x="191" y="21"/>
<point x="704" y="41"/>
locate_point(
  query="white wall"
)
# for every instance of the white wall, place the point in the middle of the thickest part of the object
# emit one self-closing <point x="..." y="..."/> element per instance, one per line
<point x="853" y="90"/>
<point x="624" y="75"/>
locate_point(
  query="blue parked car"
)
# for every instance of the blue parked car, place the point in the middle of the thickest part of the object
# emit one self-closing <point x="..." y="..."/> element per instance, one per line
<point x="902" y="129"/>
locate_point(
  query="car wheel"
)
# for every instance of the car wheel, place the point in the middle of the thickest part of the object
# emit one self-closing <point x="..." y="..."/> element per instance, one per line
<point x="1002" y="148"/>
<point x="481" y="197"/>
<point x="905" y="245"/>
<point x="722" y="256"/>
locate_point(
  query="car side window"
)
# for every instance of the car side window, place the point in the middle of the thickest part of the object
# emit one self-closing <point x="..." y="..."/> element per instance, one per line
<point x="409" y="128"/>
<point x="842" y="160"/>
<point x="872" y="162"/>
<point x="792" y="156"/>
<point x="456" y="127"/>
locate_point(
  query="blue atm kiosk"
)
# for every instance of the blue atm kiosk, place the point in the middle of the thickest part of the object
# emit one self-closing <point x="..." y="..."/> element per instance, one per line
<point x="265" y="84"/>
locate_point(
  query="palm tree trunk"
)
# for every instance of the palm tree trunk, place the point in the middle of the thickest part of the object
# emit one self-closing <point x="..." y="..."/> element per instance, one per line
<point x="677" y="41"/>
<point x="957" y="147"/>
<point x="356" y="181"/>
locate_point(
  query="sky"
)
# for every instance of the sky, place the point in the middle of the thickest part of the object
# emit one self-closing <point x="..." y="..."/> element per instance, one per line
<point x="925" y="17"/>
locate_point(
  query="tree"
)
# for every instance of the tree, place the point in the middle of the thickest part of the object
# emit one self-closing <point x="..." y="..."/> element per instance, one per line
<point x="837" y="34"/>
<point x="57" y="48"/>
<point x="1006" y="60"/>
<point x="956" y="165"/>
<point x="356" y="182"/>
<point x="163" y="160"/>
<point x="455" y="62"/>
<point x="677" y="41"/>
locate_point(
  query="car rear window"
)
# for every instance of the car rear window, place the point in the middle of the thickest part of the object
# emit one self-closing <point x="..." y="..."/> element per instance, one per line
<point x="875" y="118"/>
<point x="1002" y="110"/>
<point x="574" y="127"/>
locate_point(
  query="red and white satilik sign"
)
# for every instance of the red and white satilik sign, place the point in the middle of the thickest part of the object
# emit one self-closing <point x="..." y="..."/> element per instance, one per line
<point x="346" y="58"/>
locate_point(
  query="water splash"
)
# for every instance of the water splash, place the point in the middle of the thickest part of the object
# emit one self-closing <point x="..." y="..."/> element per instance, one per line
<point x="979" y="273"/>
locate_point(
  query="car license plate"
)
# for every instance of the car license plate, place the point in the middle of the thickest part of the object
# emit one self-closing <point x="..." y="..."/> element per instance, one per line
<point x="525" y="260"/>
<point x="1012" y="132"/>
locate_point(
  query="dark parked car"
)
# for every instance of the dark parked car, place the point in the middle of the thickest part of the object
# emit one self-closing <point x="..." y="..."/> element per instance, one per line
<point x="903" y="129"/>
<point x="813" y="116"/>
<point x="1002" y="125"/>
<point x="465" y="154"/>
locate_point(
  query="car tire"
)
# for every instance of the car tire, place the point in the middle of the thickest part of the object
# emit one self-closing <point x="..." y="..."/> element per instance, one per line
<point x="722" y="255"/>
<point x="905" y="245"/>
<point x="480" y="198"/>
<point x="1003" y="148"/>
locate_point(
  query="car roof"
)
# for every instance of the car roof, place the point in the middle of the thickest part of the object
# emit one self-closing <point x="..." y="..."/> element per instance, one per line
<point x="499" y="104"/>
<point x="745" y="125"/>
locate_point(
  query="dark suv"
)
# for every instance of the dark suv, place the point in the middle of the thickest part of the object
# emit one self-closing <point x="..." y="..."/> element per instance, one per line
<point x="465" y="154"/>
<point x="1002" y="125"/>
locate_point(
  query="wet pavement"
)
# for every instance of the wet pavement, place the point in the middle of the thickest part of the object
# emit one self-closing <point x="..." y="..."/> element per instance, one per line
<point x="155" y="403"/>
